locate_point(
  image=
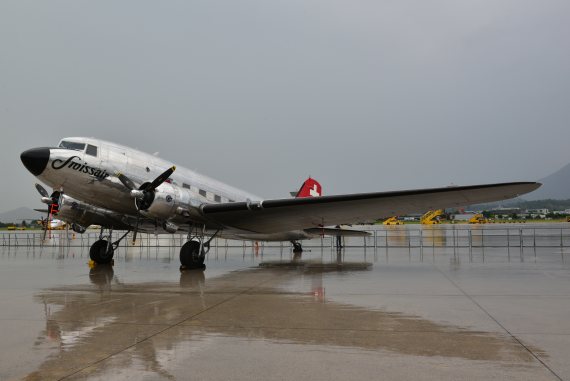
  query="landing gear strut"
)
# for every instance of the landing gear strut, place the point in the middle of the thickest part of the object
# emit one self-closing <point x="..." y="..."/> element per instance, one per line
<point x="193" y="252"/>
<point x="102" y="250"/>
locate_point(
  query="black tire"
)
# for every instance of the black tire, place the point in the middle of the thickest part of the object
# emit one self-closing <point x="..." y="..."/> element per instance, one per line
<point x="78" y="228"/>
<point x="190" y="256"/>
<point x="99" y="253"/>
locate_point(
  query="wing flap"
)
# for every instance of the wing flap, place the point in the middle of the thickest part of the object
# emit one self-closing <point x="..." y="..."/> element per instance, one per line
<point x="271" y="216"/>
<point x="338" y="232"/>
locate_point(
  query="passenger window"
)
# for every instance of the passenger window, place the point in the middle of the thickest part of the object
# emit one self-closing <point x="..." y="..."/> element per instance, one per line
<point x="91" y="150"/>
<point x="217" y="198"/>
<point x="202" y="192"/>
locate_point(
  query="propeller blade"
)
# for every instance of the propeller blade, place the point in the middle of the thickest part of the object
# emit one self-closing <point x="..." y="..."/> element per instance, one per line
<point x="46" y="227"/>
<point x="126" y="181"/>
<point x="135" y="234"/>
<point x="42" y="190"/>
<point x="136" y="229"/>
<point x="161" y="178"/>
<point x="42" y="211"/>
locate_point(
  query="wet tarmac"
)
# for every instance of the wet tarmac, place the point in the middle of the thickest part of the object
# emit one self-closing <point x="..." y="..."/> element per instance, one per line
<point x="429" y="314"/>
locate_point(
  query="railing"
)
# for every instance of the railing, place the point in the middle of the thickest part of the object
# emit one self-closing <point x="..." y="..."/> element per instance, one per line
<point x="408" y="236"/>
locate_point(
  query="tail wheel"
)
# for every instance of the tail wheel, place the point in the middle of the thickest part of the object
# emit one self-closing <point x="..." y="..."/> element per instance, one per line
<point x="101" y="252"/>
<point x="78" y="228"/>
<point x="191" y="257"/>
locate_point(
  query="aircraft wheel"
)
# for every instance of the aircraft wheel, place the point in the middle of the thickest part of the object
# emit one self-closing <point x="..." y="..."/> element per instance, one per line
<point x="78" y="228"/>
<point x="297" y="248"/>
<point x="190" y="256"/>
<point x="99" y="252"/>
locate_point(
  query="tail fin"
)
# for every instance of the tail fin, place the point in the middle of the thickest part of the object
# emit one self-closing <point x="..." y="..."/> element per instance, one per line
<point x="310" y="188"/>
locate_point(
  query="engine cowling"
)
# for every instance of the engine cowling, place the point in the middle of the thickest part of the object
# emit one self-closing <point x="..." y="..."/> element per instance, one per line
<point x="165" y="201"/>
<point x="81" y="215"/>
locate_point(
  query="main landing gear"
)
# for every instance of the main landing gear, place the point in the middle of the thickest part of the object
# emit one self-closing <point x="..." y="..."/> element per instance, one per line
<point x="102" y="250"/>
<point x="193" y="252"/>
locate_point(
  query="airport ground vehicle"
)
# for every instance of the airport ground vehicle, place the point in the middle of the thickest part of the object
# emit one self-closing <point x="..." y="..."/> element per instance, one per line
<point x="431" y="217"/>
<point x="13" y="227"/>
<point x="478" y="219"/>
<point x="392" y="221"/>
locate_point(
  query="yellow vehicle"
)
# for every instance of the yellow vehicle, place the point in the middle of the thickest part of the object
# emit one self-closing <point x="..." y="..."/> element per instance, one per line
<point x="478" y="219"/>
<point x="567" y="219"/>
<point x="16" y="228"/>
<point x="431" y="217"/>
<point x="392" y="221"/>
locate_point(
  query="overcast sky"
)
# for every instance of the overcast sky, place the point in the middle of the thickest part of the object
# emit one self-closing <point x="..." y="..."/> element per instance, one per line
<point x="362" y="95"/>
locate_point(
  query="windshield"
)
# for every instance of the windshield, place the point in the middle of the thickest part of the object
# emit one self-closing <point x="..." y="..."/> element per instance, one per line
<point x="72" y="145"/>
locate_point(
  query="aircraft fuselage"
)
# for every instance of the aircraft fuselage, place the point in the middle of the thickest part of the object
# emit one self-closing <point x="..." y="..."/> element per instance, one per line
<point x="85" y="169"/>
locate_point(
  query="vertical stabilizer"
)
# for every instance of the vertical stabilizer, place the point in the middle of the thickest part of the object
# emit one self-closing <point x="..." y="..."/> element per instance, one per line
<point x="310" y="188"/>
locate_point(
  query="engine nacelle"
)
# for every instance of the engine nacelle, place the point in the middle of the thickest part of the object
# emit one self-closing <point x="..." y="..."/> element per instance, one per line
<point x="166" y="200"/>
<point x="79" y="214"/>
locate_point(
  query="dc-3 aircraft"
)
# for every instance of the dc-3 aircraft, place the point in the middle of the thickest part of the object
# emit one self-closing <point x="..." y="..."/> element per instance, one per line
<point x="97" y="182"/>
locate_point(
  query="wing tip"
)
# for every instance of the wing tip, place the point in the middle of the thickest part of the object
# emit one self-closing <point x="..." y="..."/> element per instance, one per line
<point x="533" y="185"/>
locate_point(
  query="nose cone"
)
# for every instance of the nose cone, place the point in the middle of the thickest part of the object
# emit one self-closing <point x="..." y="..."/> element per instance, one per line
<point x="35" y="160"/>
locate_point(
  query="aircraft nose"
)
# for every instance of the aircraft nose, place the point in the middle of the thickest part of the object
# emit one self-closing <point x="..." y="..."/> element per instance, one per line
<point x="35" y="160"/>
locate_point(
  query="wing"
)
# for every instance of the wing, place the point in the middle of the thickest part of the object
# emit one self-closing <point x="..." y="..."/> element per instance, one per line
<point x="272" y="216"/>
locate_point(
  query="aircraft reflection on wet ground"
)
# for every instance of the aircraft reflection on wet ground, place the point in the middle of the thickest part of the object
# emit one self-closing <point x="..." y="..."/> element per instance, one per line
<point x="276" y="315"/>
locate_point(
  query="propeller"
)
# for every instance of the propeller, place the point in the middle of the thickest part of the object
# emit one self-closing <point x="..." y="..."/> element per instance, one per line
<point x="45" y="197"/>
<point x="144" y="195"/>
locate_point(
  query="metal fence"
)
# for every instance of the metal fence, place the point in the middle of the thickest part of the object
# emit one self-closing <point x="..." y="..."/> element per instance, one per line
<point x="408" y="236"/>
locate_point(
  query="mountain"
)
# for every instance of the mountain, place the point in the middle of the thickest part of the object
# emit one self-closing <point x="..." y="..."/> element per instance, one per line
<point x="19" y="214"/>
<point x="556" y="186"/>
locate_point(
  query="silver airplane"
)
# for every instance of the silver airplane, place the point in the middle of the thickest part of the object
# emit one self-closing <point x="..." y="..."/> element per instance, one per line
<point x="97" y="182"/>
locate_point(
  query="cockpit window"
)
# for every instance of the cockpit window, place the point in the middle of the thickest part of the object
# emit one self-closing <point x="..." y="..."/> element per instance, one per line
<point x="72" y="145"/>
<point x="91" y="150"/>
